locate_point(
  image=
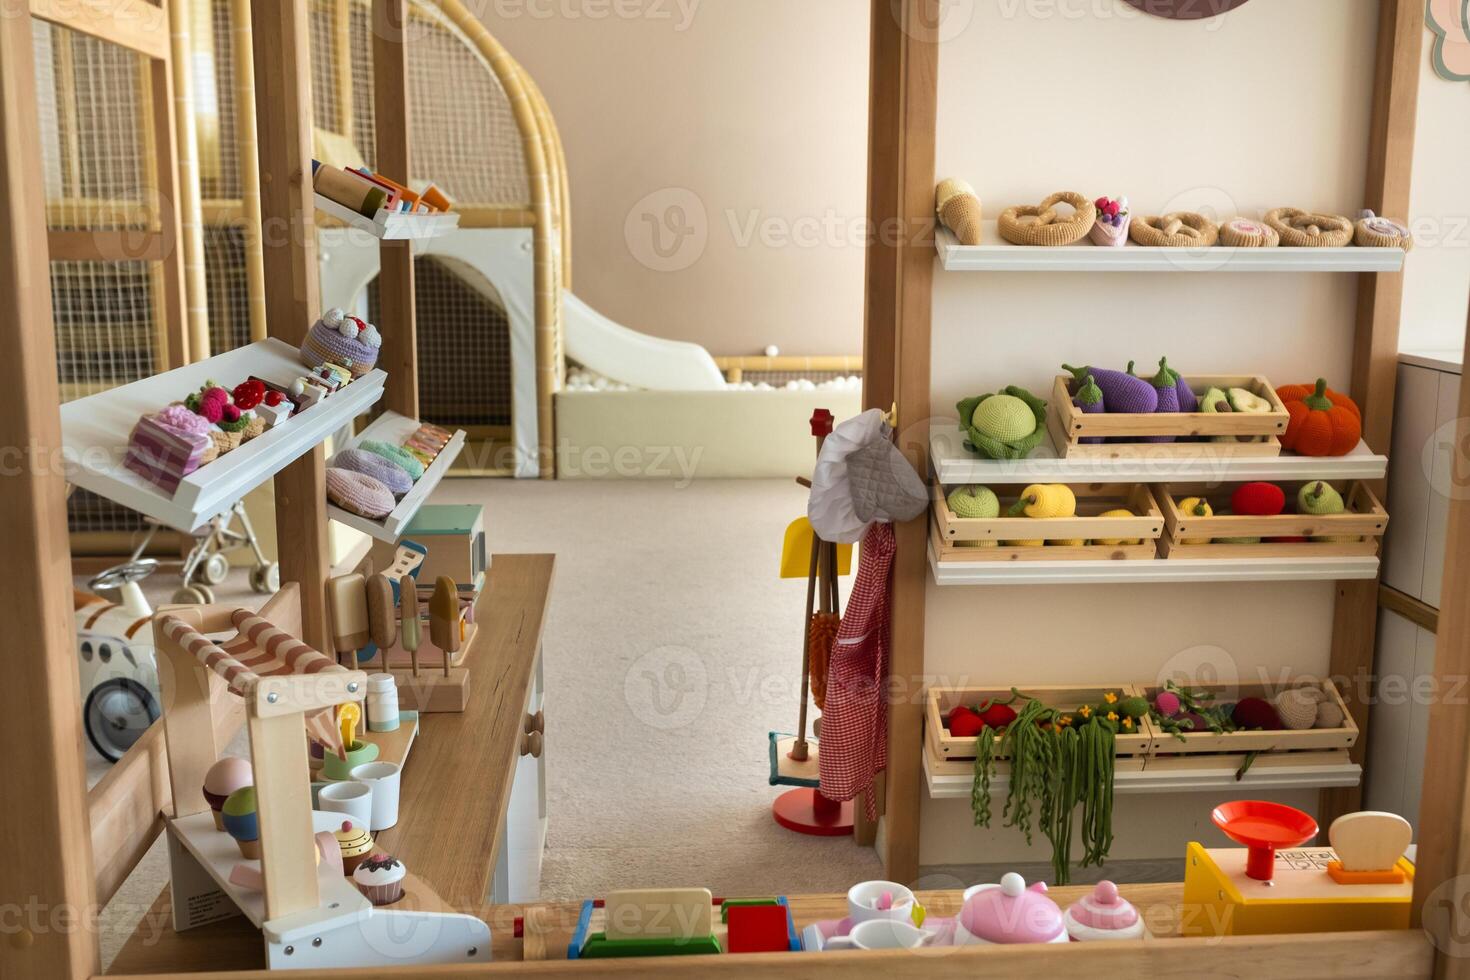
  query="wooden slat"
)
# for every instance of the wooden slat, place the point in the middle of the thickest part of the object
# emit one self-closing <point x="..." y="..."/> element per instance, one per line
<point x="173" y="265"/>
<point x="106" y="246"/>
<point x="1416" y="611"/>
<point x="43" y="824"/>
<point x="134" y="24"/>
<point x="178" y="156"/>
<point x="246" y="212"/>
<point x="282" y="59"/>
<point x="1376" y="345"/>
<point x="399" y="356"/>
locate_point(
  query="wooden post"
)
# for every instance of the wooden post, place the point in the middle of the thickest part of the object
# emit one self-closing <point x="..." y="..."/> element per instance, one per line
<point x="179" y="161"/>
<point x="905" y="66"/>
<point x="47" y="883"/>
<point x="247" y="149"/>
<point x="282" y="56"/>
<point x="399" y="356"/>
<point x="1375" y="350"/>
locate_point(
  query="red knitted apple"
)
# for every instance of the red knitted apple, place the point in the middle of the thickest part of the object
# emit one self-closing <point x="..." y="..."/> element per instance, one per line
<point x="1258" y="500"/>
<point x="964" y="722"/>
<point x="1256" y="713"/>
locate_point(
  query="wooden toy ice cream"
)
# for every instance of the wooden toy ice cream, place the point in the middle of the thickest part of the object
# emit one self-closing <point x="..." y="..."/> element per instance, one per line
<point x="223" y="778"/>
<point x="240" y="821"/>
<point x="1009" y="913"/>
<point x="1104" y="915"/>
<point x="380" y="878"/>
<point x="355" y="845"/>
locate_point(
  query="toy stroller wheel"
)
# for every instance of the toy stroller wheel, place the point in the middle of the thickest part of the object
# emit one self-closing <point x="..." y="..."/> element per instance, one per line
<point x="117" y="713"/>
<point x="207" y="592"/>
<point x="266" y="578"/>
<point x="191" y="595"/>
<point x="214" y="570"/>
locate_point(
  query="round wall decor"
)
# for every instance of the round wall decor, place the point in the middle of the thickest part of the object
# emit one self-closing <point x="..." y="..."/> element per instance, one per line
<point x="1186" y="9"/>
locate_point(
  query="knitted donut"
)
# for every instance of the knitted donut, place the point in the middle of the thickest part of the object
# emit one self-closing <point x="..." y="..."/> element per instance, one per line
<point x="385" y="471"/>
<point x="1244" y="233"/>
<point x="1180" y="229"/>
<point x="1376" y="232"/>
<point x="394" y="454"/>
<point x="1303" y="229"/>
<point x="358" y="493"/>
<point x="1044" y="228"/>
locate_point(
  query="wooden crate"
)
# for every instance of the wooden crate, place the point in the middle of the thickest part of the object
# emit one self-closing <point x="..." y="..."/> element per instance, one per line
<point x="1165" y="744"/>
<point x="1365" y="518"/>
<point x="954" y="536"/>
<point x="941" y="700"/>
<point x="1068" y="425"/>
<point x="942" y="766"/>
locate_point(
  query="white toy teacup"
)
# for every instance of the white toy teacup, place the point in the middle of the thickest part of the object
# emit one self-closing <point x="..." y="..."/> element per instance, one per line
<point x="863" y="899"/>
<point x="888" y="934"/>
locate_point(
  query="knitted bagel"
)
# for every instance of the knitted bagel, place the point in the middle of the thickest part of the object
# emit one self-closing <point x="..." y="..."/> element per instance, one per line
<point x="1303" y="229"/>
<point x="385" y="471"/>
<point x="358" y="493"/>
<point x="1244" y="233"/>
<point x="394" y="454"/>
<point x="1375" y="232"/>
<point x="1180" y="229"/>
<point x="1044" y="228"/>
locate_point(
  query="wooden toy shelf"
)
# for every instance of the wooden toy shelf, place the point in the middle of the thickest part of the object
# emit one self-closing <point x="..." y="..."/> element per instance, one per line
<point x="995" y="254"/>
<point x="96" y="428"/>
<point x="393" y="428"/>
<point x="391" y="225"/>
<point x="954" y="465"/>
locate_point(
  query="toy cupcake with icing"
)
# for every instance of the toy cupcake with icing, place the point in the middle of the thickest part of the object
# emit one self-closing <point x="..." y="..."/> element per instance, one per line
<point x="338" y="338"/>
<point x="223" y="778"/>
<point x="1104" y="915"/>
<point x="380" y="878"/>
<point x="355" y="843"/>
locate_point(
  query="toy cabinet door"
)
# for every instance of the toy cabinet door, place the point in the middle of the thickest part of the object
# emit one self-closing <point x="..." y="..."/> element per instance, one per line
<point x="1446" y="475"/>
<point x="518" y="867"/>
<point x="1407" y="546"/>
<point x="1400" y="717"/>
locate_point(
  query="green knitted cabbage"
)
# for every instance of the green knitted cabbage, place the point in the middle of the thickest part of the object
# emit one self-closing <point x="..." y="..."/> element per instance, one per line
<point x="1004" y="436"/>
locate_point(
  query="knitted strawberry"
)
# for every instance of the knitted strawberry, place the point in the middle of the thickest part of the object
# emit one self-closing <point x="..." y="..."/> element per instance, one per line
<point x="964" y="722"/>
<point x="248" y="394"/>
<point x="274" y="398"/>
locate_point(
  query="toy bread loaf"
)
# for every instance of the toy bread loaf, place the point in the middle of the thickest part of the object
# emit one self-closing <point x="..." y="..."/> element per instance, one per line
<point x="1244" y="233"/>
<point x="1375" y="232"/>
<point x="959" y="210"/>
<point x="1303" y="229"/>
<point x="1180" y="229"/>
<point x="1037" y="224"/>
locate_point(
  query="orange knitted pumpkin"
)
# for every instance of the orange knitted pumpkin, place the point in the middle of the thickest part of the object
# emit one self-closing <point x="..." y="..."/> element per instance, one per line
<point x="1323" y="422"/>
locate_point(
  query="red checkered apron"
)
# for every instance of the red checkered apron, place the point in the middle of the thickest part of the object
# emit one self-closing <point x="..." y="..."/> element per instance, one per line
<point x="855" y="720"/>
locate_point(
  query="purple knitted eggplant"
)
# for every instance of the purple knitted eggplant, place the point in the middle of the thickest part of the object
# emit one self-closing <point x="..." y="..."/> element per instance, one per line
<point x="1165" y="384"/>
<point x="1187" y="400"/>
<point x="1089" y="400"/>
<point x="1121" y="391"/>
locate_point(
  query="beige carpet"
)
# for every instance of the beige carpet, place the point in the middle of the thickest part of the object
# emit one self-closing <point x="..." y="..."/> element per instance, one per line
<point x="672" y="649"/>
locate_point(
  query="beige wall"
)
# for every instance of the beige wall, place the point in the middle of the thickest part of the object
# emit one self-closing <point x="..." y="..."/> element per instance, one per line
<point x="752" y="116"/>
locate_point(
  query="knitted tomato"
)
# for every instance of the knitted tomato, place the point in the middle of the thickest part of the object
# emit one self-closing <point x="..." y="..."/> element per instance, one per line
<point x="1258" y="500"/>
<point x="964" y="722"/>
<point x="1323" y="422"/>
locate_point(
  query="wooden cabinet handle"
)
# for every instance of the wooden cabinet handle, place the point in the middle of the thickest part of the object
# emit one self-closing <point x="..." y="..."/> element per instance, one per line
<point x="531" y="744"/>
<point x="535" y="723"/>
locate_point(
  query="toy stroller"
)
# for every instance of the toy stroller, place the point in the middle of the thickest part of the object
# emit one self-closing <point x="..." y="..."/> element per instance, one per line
<point x="206" y="564"/>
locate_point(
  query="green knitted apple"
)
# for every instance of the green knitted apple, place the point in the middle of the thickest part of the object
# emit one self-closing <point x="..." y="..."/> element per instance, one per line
<point x="1319" y="498"/>
<point x="1006" y="425"/>
<point x="974" y="502"/>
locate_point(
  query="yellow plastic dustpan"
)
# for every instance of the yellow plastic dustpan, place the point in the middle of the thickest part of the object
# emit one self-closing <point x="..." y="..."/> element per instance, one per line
<point x="796" y="551"/>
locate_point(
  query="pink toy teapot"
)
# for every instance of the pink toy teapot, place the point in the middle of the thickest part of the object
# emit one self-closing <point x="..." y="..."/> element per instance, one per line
<point x="1009" y="913"/>
<point x="1104" y="915"/>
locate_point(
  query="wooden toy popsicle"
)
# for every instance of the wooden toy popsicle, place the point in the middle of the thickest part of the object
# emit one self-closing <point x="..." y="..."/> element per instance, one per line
<point x="444" y="618"/>
<point x="347" y="595"/>
<point x="408" y="619"/>
<point x="382" y="618"/>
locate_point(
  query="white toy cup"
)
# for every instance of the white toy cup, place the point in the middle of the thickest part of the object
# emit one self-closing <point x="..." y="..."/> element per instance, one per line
<point x="353" y="799"/>
<point x="862" y="901"/>
<point x="888" y="934"/>
<point x="383" y="778"/>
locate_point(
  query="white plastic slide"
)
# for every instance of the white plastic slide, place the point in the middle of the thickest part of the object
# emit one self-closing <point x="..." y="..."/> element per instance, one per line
<point x="634" y="358"/>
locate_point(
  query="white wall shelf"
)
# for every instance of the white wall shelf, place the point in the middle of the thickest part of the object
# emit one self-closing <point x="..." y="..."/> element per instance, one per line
<point x="394" y="428"/>
<point x="955" y="465"/>
<point x="1199" y="774"/>
<point x="95" y="434"/>
<point x="392" y="225"/>
<point x="1158" y="570"/>
<point x="994" y="254"/>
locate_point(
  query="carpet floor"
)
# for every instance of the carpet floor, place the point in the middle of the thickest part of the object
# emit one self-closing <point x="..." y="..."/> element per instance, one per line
<point x="671" y="650"/>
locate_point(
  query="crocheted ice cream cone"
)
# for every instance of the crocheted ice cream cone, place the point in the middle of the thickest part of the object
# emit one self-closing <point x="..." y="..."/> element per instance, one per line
<point x="1375" y="232"/>
<point x="1303" y="229"/>
<point x="1244" y="233"/>
<point x="959" y="210"/>
<point x="341" y="339"/>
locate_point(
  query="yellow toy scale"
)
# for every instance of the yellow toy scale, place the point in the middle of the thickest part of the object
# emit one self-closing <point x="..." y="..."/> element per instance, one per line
<point x="1221" y="900"/>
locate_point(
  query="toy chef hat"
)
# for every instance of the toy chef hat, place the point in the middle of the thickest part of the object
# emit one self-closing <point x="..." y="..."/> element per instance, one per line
<point x="861" y="477"/>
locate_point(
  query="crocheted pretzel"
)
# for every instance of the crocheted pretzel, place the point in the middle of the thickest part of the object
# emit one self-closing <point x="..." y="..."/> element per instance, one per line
<point x="1043" y="228"/>
<point x="1303" y="229"/>
<point x="1181" y="229"/>
<point x="1244" y="233"/>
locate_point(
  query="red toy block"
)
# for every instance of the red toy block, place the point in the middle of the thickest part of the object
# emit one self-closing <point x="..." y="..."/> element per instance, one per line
<point x="757" y="929"/>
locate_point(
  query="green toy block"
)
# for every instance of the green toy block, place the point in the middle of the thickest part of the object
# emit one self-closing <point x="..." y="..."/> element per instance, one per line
<point x="599" y="947"/>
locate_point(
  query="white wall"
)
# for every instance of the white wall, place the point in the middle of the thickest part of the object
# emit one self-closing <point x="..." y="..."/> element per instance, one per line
<point x="1268" y="106"/>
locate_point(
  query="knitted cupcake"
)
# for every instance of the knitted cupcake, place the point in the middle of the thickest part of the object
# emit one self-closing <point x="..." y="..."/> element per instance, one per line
<point x="342" y="339"/>
<point x="380" y="879"/>
<point x="1104" y="915"/>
